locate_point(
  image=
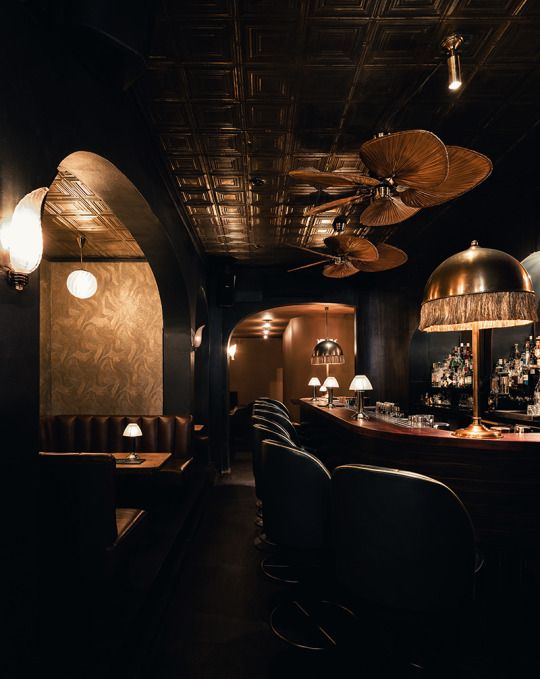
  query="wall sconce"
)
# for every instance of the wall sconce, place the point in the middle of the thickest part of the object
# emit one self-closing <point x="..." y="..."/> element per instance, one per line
<point x="22" y="239"/>
<point x="450" y="45"/>
<point x="197" y="337"/>
<point x="81" y="283"/>
<point x="231" y="351"/>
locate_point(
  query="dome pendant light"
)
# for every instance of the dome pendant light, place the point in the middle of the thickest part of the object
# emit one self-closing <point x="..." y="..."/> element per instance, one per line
<point x="81" y="283"/>
<point x="327" y="350"/>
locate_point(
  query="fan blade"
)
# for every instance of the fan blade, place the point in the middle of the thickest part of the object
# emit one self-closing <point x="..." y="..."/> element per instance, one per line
<point x="360" y="248"/>
<point x="360" y="179"/>
<point x="341" y="270"/>
<point x="415" y="158"/>
<point x="306" y="266"/>
<point x="386" y="211"/>
<point x="389" y="258"/>
<point x="467" y="169"/>
<point x="327" y="179"/>
<point x="315" y="252"/>
<point x="335" y="203"/>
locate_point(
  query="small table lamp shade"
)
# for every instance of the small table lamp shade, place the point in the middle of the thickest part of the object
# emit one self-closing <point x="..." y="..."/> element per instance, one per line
<point x="331" y="383"/>
<point x="360" y="383"/>
<point x="314" y="382"/>
<point x="132" y="430"/>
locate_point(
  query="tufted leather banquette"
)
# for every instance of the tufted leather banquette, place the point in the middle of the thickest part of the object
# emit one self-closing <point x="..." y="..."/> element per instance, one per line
<point x="103" y="434"/>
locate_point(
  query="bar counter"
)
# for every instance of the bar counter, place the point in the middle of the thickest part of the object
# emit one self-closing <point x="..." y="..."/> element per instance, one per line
<point x="498" y="480"/>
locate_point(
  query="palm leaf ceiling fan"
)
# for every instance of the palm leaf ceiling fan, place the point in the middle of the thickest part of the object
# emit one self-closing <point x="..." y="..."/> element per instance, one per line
<point x="351" y="254"/>
<point x="408" y="170"/>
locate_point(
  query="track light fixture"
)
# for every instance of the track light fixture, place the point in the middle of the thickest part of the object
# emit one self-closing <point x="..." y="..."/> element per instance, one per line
<point x="451" y="45"/>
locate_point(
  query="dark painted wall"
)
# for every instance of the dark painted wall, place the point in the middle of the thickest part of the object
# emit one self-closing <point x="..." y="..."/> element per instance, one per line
<point x="54" y="102"/>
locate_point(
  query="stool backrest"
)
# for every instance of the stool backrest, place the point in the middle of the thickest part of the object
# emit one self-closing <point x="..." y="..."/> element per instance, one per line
<point x="403" y="540"/>
<point x="296" y="497"/>
<point x="260" y="433"/>
<point x="280" y="419"/>
<point x="275" y="402"/>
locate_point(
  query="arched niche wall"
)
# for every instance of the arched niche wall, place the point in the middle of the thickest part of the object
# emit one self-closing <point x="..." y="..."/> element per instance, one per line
<point x="133" y="210"/>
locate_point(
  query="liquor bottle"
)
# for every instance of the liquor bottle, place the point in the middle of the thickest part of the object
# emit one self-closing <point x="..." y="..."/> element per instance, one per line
<point x="537" y="350"/>
<point x="526" y="355"/>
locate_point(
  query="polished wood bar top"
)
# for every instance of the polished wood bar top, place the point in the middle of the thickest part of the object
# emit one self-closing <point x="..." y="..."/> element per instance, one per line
<point x="385" y="429"/>
<point x="152" y="461"/>
<point x="498" y="480"/>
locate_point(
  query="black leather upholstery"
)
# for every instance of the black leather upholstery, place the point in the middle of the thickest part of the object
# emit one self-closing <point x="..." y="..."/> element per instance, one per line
<point x="79" y="522"/>
<point x="275" y="416"/>
<point x="261" y="432"/>
<point x="262" y="419"/>
<point x="403" y="540"/>
<point x="274" y="402"/>
<point x="296" y="497"/>
<point x="104" y="434"/>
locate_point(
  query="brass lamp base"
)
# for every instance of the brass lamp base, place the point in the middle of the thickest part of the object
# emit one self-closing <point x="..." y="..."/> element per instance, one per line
<point x="477" y="431"/>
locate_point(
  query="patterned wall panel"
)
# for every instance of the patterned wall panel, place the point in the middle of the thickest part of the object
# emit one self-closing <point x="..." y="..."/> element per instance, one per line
<point x="103" y="355"/>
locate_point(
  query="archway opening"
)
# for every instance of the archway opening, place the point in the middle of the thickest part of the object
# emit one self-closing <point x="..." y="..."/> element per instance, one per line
<point x="273" y="358"/>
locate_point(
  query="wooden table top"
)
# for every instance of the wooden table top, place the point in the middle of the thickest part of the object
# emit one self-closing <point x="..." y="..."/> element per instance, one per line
<point x="151" y="461"/>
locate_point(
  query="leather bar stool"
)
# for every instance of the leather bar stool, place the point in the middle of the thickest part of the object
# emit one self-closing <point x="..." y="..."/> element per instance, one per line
<point x="279" y="418"/>
<point x="275" y="402"/>
<point x="261" y="541"/>
<point x="296" y="497"/>
<point x="405" y="546"/>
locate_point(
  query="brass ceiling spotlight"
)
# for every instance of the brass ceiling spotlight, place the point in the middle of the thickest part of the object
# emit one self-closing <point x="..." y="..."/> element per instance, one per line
<point x="450" y="45"/>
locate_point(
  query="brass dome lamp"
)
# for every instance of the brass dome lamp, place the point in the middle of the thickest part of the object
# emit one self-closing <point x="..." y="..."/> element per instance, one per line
<point x="477" y="289"/>
<point x="327" y="351"/>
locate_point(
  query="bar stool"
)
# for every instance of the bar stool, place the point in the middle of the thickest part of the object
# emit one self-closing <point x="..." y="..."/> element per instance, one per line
<point x="296" y="498"/>
<point x="279" y="418"/>
<point x="275" y="402"/>
<point x="405" y="546"/>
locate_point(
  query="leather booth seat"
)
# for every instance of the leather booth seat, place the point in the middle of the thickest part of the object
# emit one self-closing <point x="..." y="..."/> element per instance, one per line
<point x="80" y="525"/>
<point x="103" y="434"/>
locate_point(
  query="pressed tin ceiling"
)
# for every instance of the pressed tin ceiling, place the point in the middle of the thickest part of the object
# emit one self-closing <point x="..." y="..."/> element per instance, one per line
<point x="72" y="209"/>
<point x="242" y="91"/>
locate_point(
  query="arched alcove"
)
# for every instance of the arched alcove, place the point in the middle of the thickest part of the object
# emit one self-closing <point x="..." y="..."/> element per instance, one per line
<point x="129" y="205"/>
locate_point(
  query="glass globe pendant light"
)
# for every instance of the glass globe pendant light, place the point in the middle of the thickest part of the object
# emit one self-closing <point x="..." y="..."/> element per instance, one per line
<point x="81" y="283"/>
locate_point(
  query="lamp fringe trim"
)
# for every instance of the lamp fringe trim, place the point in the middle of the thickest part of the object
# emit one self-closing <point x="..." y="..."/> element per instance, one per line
<point x="488" y="310"/>
<point x="321" y="360"/>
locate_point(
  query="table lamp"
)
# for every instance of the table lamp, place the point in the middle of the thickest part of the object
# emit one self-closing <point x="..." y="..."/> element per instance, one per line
<point x="330" y="383"/>
<point x="132" y="431"/>
<point x="477" y="289"/>
<point x="359" y="384"/>
<point x="314" y="382"/>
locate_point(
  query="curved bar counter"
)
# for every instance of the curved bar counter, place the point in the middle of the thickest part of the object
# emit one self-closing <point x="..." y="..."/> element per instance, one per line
<point x="498" y="480"/>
